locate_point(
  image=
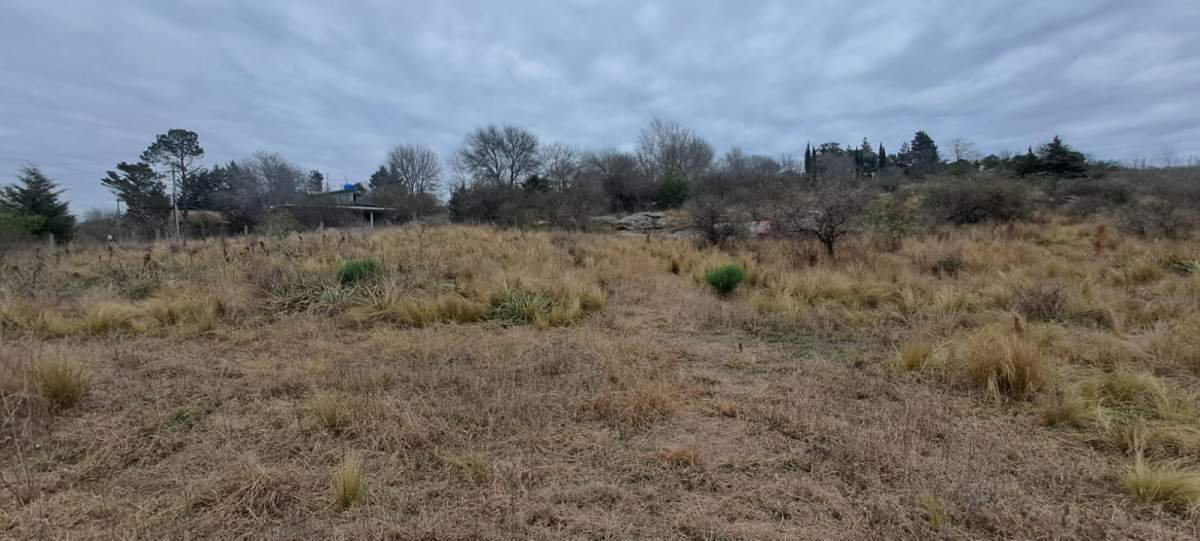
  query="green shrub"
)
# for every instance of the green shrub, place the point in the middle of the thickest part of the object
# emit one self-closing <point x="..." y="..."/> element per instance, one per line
<point x="357" y="270"/>
<point x="522" y="307"/>
<point x="725" y="279"/>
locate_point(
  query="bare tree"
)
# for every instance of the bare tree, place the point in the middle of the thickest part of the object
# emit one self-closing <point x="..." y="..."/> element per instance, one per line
<point x="502" y="155"/>
<point x="1168" y="157"/>
<point x="620" y="178"/>
<point x="278" y="180"/>
<point x="830" y="213"/>
<point x="665" y="146"/>
<point x="561" y="165"/>
<point x="963" y="149"/>
<point x="414" y="168"/>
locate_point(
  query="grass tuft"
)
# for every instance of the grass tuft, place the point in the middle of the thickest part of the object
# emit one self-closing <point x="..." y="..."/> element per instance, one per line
<point x="348" y="485"/>
<point x="60" y="381"/>
<point x="331" y="411"/>
<point x="1169" y="484"/>
<point x="1005" y="363"/>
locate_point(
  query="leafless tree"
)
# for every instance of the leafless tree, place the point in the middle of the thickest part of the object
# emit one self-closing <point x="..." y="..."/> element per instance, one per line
<point x="717" y="221"/>
<point x="414" y="168"/>
<point x="278" y="180"/>
<point x="502" y="155"/>
<point x="666" y="145"/>
<point x="963" y="149"/>
<point x="561" y="165"/>
<point x="830" y="166"/>
<point x="831" y="212"/>
<point x="1168" y="157"/>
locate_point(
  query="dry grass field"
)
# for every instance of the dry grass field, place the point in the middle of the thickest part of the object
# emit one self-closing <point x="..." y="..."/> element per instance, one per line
<point x="1025" y="381"/>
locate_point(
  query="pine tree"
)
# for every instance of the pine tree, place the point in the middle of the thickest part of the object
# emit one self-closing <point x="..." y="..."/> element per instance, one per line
<point x="142" y="190"/>
<point x="1056" y="158"/>
<point x="882" y="157"/>
<point x="36" y="195"/>
<point x="380" y="178"/>
<point x="868" y="162"/>
<point x="1027" y="164"/>
<point x="316" y="182"/>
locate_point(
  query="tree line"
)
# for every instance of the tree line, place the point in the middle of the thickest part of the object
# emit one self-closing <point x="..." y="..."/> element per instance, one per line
<point x="504" y="174"/>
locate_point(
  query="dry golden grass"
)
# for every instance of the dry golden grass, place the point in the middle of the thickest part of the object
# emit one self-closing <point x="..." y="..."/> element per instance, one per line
<point x="1176" y="487"/>
<point x="1005" y="362"/>
<point x="348" y="482"/>
<point x="509" y="384"/>
<point x="61" y="381"/>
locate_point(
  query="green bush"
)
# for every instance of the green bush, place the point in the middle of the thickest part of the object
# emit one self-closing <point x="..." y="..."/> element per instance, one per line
<point x="521" y="307"/>
<point x="357" y="270"/>
<point x="725" y="279"/>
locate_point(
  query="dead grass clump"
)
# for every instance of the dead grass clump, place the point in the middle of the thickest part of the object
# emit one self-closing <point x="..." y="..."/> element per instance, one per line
<point x="641" y="405"/>
<point x="62" y="382"/>
<point x="348" y="483"/>
<point x="1065" y="409"/>
<point x="948" y="266"/>
<point x="1170" y="484"/>
<point x="473" y="466"/>
<point x="109" y="317"/>
<point x="248" y="489"/>
<point x="915" y="355"/>
<point x="1006" y="363"/>
<point x="331" y="411"/>
<point x="1133" y="395"/>
<point x="1044" y="302"/>
<point x="1157" y="439"/>
<point x="686" y="455"/>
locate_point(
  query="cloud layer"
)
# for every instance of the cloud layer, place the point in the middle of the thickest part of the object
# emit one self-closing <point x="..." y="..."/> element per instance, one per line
<point x="333" y="85"/>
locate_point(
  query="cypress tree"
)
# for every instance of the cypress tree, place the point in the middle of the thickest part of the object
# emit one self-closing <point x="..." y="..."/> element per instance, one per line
<point x="808" y="159"/>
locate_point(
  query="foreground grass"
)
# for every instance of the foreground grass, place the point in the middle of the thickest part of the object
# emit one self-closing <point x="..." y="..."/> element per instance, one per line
<point x="500" y="384"/>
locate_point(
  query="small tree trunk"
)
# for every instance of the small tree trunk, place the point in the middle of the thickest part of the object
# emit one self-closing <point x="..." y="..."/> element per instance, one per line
<point x="828" y="244"/>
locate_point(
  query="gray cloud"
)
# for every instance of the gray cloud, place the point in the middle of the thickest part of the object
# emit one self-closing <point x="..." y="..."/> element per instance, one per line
<point x="333" y="85"/>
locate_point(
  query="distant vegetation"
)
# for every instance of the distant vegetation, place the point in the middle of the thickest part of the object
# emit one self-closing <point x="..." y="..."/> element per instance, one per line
<point x="505" y="175"/>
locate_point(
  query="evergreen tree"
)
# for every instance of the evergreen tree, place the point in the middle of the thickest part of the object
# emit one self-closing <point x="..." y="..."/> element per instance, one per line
<point x="923" y="151"/>
<point x="673" y="189"/>
<point x="199" y="191"/>
<point x="868" y="161"/>
<point x="315" y="182"/>
<point x="36" y="195"/>
<point x="882" y="157"/>
<point x="177" y="151"/>
<point x="1056" y="158"/>
<point x="808" y="159"/>
<point x="1027" y="164"/>
<point x="142" y="190"/>
<point x="381" y="178"/>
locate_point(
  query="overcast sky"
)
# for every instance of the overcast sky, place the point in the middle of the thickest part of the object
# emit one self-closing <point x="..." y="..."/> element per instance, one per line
<point x="332" y="85"/>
